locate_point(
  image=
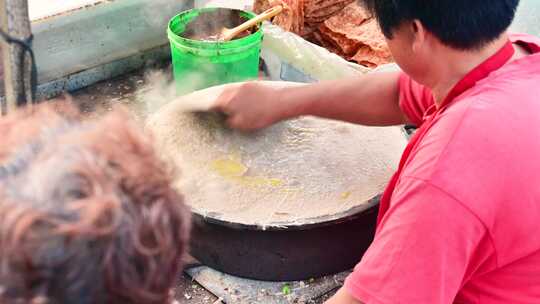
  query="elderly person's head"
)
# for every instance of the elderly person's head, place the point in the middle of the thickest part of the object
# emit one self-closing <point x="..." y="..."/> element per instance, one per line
<point x="87" y="211"/>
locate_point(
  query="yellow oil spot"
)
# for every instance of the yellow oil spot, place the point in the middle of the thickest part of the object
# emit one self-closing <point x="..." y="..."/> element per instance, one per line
<point x="257" y="181"/>
<point x="291" y="190"/>
<point x="275" y="182"/>
<point x="229" y="167"/>
<point x="345" y="195"/>
<point x="232" y="168"/>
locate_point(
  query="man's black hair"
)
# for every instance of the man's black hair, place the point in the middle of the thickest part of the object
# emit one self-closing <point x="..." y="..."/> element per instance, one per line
<point x="461" y="24"/>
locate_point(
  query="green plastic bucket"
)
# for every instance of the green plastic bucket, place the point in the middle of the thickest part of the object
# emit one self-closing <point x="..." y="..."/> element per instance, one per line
<point x="200" y="64"/>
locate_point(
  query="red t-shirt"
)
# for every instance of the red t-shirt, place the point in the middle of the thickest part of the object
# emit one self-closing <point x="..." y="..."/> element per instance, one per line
<point x="463" y="223"/>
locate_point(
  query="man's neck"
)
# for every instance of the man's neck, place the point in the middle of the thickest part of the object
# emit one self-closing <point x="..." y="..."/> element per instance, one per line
<point x="457" y="64"/>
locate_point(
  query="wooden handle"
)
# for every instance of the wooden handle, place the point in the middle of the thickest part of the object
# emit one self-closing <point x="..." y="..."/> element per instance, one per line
<point x="269" y="13"/>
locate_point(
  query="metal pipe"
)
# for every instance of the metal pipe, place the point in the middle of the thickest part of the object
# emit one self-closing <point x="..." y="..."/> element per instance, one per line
<point x="18" y="86"/>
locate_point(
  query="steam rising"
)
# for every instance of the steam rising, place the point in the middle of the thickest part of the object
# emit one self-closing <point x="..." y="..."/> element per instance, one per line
<point x="158" y="91"/>
<point x="160" y="87"/>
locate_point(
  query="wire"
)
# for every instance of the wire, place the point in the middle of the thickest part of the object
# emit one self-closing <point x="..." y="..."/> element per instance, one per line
<point x="26" y="45"/>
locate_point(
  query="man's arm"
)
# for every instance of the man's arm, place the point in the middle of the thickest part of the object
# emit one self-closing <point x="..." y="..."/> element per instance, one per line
<point x="369" y="100"/>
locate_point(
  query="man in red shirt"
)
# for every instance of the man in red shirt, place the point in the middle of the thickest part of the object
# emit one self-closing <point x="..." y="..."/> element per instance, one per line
<point x="459" y="221"/>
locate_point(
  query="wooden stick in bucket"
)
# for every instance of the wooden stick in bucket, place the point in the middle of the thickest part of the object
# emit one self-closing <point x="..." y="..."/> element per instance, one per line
<point x="229" y="34"/>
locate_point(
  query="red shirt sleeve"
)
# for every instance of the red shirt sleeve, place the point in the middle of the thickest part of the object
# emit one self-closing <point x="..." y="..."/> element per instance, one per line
<point x="414" y="99"/>
<point x="427" y="246"/>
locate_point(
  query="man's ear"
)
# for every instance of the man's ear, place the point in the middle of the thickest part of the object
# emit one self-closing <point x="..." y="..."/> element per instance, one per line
<point x="418" y="34"/>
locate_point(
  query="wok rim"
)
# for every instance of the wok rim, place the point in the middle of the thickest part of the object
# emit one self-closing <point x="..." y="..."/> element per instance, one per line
<point x="305" y="224"/>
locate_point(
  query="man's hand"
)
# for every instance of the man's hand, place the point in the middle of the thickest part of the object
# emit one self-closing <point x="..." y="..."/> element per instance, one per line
<point x="252" y="105"/>
<point x="342" y="297"/>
